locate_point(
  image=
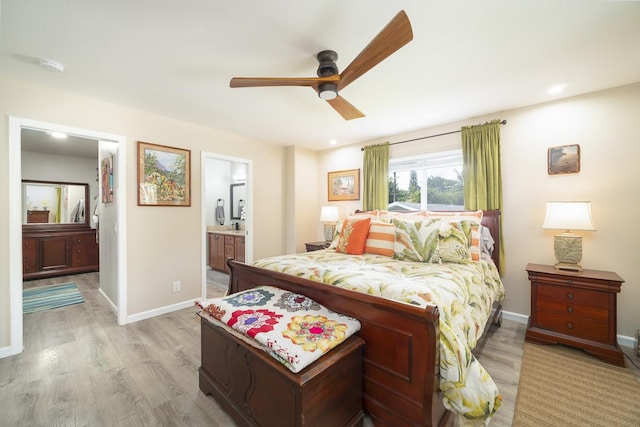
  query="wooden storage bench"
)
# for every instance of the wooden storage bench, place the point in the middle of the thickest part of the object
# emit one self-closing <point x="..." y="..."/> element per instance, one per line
<point x="257" y="390"/>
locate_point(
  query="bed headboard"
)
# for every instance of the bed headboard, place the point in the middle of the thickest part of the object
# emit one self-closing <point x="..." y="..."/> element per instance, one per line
<point x="491" y="220"/>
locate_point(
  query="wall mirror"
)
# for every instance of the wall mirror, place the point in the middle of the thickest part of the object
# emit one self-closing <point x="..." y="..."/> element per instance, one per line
<point x="238" y="199"/>
<point x="53" y="204"/>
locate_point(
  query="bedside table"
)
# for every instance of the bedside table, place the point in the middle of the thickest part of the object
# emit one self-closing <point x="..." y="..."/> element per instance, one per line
<point x="575" y="308"/>
<point x="316" y="246"/>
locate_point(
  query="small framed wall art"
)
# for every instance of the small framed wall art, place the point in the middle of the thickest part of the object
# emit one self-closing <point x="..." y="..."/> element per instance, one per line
<point x="563" y="159"/>
<point x="344" y="185"/>
<point x="164" y="175"/>
<point x="107" y="179"/>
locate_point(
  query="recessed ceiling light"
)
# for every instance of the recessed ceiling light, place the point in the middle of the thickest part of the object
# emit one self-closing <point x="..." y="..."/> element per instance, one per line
<point x="51" y="65"/>
<point x="58" y="135"/>
<point x="332" y="142"/>
<point x="556" y="89"/>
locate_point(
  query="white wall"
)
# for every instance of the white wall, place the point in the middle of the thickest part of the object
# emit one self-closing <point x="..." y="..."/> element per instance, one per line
<point x="164" y="243"/>
<point x="604" y="124"/>
<point x="304" y="219"/>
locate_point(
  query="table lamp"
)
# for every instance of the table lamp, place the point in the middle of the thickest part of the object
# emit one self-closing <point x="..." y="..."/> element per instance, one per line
<point x="329" y="215"/>
<point x="568" y="216"/>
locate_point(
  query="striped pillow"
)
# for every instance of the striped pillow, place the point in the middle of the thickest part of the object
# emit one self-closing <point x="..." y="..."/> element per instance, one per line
<point x="381" y="239"/>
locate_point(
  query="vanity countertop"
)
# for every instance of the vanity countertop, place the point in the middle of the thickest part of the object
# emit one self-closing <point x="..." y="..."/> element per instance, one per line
<point x="219" y="230"/>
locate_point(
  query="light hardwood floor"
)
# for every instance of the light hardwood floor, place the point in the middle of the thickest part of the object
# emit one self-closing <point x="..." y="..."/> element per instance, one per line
<point x="79" y="368"/>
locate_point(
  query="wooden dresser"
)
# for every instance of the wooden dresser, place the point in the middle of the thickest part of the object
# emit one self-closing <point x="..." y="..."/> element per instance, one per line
<point x="58" y="253"/>
<point x="37" y="217"/>
<point x="225" y="245"/>
<point x="575" y="308"/>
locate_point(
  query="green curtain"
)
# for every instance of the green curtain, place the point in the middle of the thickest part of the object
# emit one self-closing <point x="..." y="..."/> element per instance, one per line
<point x="481" y="171"/>
<point x="375" y="193"/>
<point x="59" y="202"/>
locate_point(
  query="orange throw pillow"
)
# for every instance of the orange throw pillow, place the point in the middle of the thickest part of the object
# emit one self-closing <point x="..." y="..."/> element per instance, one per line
<point x="353" y="236"/>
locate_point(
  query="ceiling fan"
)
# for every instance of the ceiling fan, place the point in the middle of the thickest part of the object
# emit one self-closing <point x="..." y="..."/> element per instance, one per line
<point x="329" y="83"/>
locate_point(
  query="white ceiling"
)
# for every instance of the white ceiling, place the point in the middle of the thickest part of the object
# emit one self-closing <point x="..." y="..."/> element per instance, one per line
<point x="467" y="58"/>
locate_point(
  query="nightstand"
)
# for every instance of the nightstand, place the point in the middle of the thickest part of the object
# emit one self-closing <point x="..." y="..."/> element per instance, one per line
<point x="316" y="246"/>
<point x="575" y="308"/>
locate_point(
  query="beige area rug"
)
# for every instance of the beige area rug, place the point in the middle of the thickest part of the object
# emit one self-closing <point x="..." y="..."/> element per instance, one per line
<point x="561" y="386"/>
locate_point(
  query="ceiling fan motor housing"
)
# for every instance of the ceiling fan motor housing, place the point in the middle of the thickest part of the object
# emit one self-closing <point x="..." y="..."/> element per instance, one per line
<point x="327" y="67"/>
<point x="327" y="63"/>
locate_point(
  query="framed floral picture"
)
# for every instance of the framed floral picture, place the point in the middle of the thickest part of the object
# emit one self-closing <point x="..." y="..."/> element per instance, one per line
<point x="106" y="179"/>
<point x="563" y="159"/>
<point x="344" y="185"/>
<point x="164" y="175"/>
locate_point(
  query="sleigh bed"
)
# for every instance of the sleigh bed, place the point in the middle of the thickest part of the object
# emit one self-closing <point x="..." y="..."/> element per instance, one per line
<point x="402" y="352"/>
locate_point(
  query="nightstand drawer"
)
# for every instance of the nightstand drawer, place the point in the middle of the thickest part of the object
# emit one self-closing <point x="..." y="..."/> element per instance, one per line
<point x="570" y="308"/>
<point x="573" y="325"/>
<point x="572" y="295"/>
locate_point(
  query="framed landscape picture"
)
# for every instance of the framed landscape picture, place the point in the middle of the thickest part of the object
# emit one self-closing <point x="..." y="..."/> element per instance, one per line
<point x="564" y="159"/>
<point x="164" y="175"/>
<point x="344" y="185"/>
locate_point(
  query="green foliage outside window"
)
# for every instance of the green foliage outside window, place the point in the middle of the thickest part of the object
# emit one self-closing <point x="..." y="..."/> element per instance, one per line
<point x="441" y="191"/>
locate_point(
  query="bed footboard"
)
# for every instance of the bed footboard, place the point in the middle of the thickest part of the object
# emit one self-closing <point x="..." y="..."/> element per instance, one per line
<point x="401" y="376"/>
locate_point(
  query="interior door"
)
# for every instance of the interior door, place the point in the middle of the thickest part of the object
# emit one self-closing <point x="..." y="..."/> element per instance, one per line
<point x="105" y="219"/>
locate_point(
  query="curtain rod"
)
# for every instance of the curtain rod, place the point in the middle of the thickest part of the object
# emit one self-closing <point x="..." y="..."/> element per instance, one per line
<point x="503" y="122"/>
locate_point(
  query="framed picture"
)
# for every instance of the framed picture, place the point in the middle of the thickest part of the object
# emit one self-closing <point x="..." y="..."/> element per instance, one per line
<point x="564" y="159"/>
<point x="344" y="185"/>
<point x="106" y="179"/>
<point x="164" y="175"/>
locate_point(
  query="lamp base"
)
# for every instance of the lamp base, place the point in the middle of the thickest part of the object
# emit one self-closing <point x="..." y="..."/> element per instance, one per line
<point x="568" y="250"/>
<point x="567" y="266"/>
<point x="329" y="229"/>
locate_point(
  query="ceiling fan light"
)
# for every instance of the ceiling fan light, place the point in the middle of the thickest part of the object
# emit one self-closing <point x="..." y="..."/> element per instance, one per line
<point x="328" y="91"/>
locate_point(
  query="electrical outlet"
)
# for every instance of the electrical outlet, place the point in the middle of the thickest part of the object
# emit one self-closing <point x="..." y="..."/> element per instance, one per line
<point x="176" y="286"/>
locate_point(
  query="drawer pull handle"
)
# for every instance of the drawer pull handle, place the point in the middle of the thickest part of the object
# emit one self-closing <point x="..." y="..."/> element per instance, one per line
<point x="570" y="325"/>
<point x="570" y="295"/>
<point x="570" y="309"/>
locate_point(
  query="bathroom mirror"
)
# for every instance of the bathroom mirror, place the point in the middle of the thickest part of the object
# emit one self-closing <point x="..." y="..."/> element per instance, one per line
<point x="238" y="200"/>
<point x="51" y="204"/>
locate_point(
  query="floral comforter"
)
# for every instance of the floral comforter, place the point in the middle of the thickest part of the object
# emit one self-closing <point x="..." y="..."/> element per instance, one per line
<point x="463" y="293"/>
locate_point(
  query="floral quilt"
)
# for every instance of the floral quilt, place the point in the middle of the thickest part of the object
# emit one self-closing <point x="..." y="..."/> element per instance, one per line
<point x="292" y="328"/>
<point x="463" y="293"/>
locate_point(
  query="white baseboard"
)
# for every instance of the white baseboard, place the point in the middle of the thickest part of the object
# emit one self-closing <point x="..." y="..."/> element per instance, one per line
<point x="162" y="310"/>
<point x="6" y="352"/>
<point x="515" y="317"/>
<point x="623" y="340"/>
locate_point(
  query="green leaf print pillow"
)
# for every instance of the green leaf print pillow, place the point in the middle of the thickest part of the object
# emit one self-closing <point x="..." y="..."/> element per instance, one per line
<point x="417" y="240"/>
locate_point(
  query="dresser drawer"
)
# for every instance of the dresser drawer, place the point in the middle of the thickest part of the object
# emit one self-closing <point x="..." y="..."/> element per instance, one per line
<point x="572" y="295"/>
<point x="570" y="308"/>
<point x="28" y="256"/>
<point x="576" y="326"/>
<point x="229" y="240"/>
<point x="88" y="239"/>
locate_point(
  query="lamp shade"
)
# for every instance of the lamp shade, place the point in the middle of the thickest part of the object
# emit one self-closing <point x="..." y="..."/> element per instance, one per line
<point x="568" y="216"/>
<point x="329" y="214"/>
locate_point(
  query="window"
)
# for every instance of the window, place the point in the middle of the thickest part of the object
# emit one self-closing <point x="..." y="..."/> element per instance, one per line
<point x="430" y="182"/>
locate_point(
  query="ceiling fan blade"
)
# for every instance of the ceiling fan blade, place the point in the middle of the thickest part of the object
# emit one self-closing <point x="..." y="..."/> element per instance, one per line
<point x="393" y="36"/>
<point x="345" y="109"/>
<point x="281" y="81"/>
